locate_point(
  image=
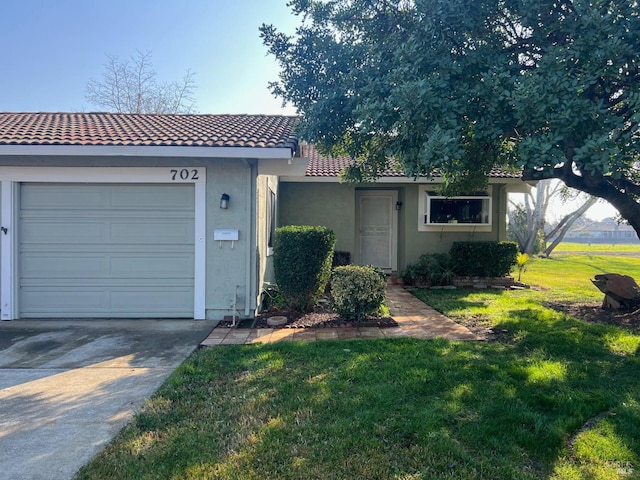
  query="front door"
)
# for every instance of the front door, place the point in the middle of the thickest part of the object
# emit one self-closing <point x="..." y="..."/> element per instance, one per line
<point x="377" y="227"/>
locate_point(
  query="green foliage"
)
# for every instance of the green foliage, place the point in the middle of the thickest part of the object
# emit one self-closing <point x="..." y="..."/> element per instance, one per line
<point x="460" y="86"/>
<point x="484" y="259"/>
<point x="430" y="269"/>
<point x="358" y="291"/>
<point x="272" y="298"/>
<point x="302" y="257"/>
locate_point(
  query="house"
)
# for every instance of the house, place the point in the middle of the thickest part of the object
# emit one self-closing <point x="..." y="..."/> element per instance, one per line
<point x="397" y="219"/>
<point x="116" y="215"/>
<point x="605" y="231"/>
<point x="173" y="216"/>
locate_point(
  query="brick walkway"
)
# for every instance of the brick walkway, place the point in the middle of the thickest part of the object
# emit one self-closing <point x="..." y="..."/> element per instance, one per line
<point x="415" y="319"/>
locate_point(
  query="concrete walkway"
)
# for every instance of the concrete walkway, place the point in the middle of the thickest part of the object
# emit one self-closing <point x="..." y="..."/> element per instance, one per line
<point x="415" y="319"/>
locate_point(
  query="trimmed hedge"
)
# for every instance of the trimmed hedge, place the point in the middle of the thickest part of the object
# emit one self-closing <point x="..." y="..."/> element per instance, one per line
<point x="357" y="291"/>
<point x="483" y="259"/>
<point x="302" y="257"/>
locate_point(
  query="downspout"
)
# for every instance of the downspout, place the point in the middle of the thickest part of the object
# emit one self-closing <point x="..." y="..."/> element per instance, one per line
<point x="250" y="239"/>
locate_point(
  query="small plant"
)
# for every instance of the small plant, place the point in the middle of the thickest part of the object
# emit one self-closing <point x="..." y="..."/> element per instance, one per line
<point x="522" y="259"/>
<point x="358" y="291"/>
<point x="272" y="298"/>
<point x="431" y="269"/>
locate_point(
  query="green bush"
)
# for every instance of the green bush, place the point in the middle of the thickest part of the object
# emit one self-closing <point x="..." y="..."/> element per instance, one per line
<point x="358" y="291"/>
<point x="302" y="257"/>
<point x="483" y="259"/>
<point x="430" y="269"/>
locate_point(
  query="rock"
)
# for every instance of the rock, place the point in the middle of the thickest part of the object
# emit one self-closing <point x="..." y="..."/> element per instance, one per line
<point x="621" y="291"/>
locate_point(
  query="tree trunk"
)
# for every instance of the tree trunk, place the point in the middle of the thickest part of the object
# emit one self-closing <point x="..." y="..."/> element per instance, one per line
<point x="566" y="223"/>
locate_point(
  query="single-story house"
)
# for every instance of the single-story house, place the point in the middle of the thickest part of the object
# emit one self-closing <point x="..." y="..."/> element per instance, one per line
<point x="117" y="215"/>
<point x="172" y="216"/>
<point x="397" y="219"/>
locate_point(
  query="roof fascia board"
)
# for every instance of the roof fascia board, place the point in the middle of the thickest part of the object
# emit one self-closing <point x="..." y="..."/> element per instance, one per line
<point x="146" y="151"/>
<point x="391" y="180"/>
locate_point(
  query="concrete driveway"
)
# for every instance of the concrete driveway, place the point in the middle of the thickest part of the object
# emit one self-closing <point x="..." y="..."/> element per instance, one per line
<point x="67" y="387"/>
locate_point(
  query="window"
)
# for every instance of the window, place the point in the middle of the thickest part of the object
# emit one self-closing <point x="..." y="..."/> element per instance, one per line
<point x="469" y="212"/>
<point x="473" y="210"/>
<point x="271" y="219"/>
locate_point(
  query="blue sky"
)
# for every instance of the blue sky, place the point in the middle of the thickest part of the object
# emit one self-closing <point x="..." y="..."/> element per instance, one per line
<point x="51" y="48"/>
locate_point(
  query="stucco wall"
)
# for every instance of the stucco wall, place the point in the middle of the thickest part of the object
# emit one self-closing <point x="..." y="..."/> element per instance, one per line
<point x="333" y="205"/>
<point x="326" y="204"/>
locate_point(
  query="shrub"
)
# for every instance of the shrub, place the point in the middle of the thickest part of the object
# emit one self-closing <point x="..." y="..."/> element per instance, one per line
<point x="358" y="291"/>
<point x="430" y="269"/>
<point x="483" y="259"/>
<point x="272" y="298"/>
<point x="302" y="257"/>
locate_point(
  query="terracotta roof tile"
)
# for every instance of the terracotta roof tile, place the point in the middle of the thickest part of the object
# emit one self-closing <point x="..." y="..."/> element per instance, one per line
<point x="266" y="131"/>
<point x="320" y="166"/>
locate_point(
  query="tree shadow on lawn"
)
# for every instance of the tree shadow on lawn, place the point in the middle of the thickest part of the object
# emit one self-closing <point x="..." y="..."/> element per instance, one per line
<point x="389" y="408"/>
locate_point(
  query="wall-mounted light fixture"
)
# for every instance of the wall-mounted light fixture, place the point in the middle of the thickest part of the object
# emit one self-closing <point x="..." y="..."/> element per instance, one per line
<point x="398" y="205"/>
<point x="224" y="201"/>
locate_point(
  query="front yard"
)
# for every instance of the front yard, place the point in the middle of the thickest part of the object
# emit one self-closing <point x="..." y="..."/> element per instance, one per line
<point x="555" y="397"/>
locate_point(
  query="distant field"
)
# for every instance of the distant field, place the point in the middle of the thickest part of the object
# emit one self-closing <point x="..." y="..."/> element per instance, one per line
<point x="598" y="248"/>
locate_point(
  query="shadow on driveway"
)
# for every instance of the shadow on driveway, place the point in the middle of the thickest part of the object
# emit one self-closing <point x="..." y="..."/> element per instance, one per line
<point x="67" y="387"/>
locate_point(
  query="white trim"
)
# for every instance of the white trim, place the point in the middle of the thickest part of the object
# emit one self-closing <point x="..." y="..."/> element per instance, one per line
<point x="8" y="251"/>
<point x="11" y="176"/>
<point x="147" y="151"/>
<point x="423" y="190"/>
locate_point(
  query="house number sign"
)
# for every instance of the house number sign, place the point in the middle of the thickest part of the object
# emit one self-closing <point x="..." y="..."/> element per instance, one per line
<point x="178" y="174"/>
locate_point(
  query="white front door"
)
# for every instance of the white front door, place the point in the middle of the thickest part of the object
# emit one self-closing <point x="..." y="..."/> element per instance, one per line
<point x="377" y="227"/>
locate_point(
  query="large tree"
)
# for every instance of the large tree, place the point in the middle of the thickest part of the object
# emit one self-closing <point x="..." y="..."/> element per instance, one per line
<point x="460" y="86"/>
<point x="131" y="86"/>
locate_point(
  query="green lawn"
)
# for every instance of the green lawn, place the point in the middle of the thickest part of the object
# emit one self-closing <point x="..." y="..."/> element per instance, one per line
<point x="558" y="399"/>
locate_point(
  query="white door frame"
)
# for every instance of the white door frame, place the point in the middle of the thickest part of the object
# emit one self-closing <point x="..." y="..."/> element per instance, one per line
<point x="12" y="177"/>
<point x="392" y="195"/>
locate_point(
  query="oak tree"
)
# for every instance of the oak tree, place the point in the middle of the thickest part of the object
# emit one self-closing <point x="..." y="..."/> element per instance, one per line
<point x="460" y="86"/>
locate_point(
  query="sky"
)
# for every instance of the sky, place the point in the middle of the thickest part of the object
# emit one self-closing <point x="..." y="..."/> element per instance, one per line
<point x="52" y="48"/>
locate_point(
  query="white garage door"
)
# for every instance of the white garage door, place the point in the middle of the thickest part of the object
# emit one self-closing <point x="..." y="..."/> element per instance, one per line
<point x="106" y="250"/>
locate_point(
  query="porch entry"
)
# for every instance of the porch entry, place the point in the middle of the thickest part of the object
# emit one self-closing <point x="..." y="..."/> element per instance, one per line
<point x="377" y="223"/>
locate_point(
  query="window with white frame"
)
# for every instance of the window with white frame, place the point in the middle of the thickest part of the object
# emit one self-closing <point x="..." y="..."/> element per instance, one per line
<point x="461" y="212"/>
<point x="271" y="219"/>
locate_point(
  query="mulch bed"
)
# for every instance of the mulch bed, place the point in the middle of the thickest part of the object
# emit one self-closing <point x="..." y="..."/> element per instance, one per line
<point x="314" y="320"/>
<point x="594" y="313"/>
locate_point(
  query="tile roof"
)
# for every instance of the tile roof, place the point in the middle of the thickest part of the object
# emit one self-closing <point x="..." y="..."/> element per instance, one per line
<point x="266" y="131"/>
<point x="320" y="166"/>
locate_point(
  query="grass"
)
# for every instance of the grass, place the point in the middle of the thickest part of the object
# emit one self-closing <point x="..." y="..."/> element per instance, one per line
<point x="597" y="247"/>
<point x="559" y="400"/>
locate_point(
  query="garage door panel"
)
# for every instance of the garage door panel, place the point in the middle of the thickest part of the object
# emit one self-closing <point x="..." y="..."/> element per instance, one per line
<point x="146" y="197"/>
<point x="62" y="197"/>
<point x="169" y="302"/>
<point x="63" y="232"/>
<point x="107" y="250"/>
<point x="46" y="266"/>
<point x="170" y="265"/>
<point x="156" y="231"/>
<point x="136" y="265"/>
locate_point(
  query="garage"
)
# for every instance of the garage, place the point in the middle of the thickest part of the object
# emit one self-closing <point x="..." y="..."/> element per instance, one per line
<point x="106" y="250"/>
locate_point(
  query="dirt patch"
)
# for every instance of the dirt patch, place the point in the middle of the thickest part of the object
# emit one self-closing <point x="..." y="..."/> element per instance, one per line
<point x="594" y="313"/>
